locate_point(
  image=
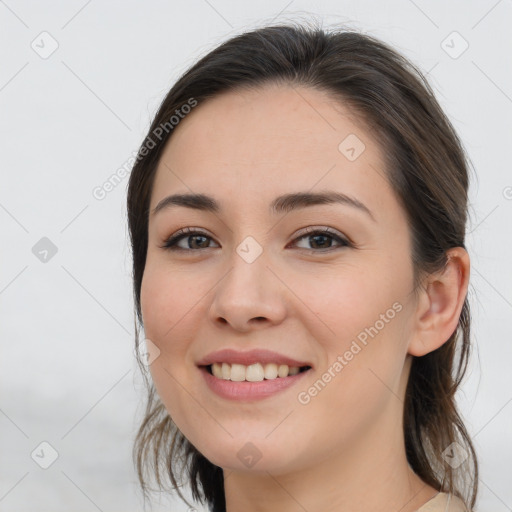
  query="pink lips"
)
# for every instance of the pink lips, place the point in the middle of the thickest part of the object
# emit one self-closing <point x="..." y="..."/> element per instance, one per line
<point x="249" y="391"/>
<point x="249" y="357"/>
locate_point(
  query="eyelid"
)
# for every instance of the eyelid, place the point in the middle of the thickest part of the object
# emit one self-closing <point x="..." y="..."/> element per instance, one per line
<point x="177" y="236"/>
<point x="171" y="242"/>
<point x="323" y="229"/>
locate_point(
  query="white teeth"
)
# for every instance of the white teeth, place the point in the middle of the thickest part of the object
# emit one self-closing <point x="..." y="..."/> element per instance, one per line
<point x="226" y="371"/>
<point x="282" y="371"/>
<point x="253" y="373"/>
<point x="216" y="370"/>
<point x="270" y="371"/>
<point x="237" y="372"/>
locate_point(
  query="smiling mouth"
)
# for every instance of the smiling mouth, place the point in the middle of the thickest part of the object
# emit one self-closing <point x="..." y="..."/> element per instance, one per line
<point x="253" y="373"/>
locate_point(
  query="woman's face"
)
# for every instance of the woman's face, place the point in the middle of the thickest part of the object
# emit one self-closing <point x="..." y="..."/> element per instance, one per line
<point x="253" y="278"/>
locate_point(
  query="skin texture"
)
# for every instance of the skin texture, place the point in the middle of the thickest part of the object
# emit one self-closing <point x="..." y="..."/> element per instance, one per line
<point x="344" y="449"/>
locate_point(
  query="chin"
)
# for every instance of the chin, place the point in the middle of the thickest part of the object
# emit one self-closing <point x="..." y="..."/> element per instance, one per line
<point x="256" y="456"/>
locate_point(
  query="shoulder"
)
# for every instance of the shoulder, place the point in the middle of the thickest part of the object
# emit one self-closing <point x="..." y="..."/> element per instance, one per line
<point x="444" y="502"/>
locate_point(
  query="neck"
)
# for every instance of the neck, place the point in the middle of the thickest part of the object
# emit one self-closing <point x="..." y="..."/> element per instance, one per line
<point x="370" y="478"/>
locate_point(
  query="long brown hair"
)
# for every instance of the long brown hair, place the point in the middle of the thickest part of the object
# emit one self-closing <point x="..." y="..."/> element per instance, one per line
<point x="428" y="170"/>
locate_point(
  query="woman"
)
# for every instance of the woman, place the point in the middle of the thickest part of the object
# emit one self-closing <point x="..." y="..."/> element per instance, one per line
<point x="297" y="217"/>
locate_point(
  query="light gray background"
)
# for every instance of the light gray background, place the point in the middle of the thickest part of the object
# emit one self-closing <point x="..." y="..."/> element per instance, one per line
<point x="69" y="121"/>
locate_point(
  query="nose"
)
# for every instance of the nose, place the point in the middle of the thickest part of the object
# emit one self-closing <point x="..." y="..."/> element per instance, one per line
<point x="250" y="295"/>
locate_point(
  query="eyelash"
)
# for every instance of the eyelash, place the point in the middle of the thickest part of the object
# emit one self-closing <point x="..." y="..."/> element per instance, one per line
<point x="171" y="243"/>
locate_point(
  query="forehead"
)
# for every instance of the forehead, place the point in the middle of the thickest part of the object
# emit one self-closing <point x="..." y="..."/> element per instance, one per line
<point x="258" y="143"/>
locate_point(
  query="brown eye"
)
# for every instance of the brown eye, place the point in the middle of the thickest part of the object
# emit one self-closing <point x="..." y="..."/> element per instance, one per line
<point x="322" y="240"/>
<point x="196" y="240"/>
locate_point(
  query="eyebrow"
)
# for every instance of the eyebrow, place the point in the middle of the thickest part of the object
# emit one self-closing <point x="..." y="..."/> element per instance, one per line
<point x="282" y="204"/>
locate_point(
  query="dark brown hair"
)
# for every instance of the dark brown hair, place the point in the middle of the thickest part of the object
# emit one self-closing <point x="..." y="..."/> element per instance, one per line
<point x="428" y="170"/>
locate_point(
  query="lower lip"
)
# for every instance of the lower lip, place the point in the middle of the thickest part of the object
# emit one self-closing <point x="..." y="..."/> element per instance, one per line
<point x="243" y="391"/>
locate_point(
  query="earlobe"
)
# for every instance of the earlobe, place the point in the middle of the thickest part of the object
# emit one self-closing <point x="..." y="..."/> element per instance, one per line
<point x="440" y="304"/>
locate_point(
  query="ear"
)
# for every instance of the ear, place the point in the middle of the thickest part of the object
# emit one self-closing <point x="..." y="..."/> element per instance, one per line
<point x="440" y="303"/>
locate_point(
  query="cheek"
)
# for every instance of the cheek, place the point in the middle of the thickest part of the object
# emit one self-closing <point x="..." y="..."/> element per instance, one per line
<point x="184" y="405"/>
<point x="168" y="306"/>
<point x="344" y="304"/>
<point x="166" y="298"/>
<point x="361" y="320"/>
<point x="150" y="300"/>
<point x="165" y="324"/>
<point x="358" y="383"/>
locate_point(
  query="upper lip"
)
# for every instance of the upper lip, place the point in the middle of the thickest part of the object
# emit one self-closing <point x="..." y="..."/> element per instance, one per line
<point x="249" y="357"/>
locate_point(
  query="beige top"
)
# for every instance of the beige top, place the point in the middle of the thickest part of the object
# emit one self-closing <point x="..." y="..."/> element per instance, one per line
<point x="443" y="502"/>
